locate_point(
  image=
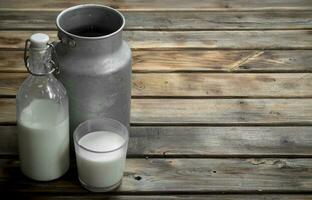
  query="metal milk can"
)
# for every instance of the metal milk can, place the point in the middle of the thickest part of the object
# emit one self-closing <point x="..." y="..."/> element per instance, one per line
<point x="95" y="63"/>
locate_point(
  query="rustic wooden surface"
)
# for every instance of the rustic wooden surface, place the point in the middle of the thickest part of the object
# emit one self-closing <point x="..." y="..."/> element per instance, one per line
<point x="222" y="99"/>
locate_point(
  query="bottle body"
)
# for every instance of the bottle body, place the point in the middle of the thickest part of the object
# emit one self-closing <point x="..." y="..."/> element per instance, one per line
<point x="43" y="131"/>
<point x="42" y="122"/>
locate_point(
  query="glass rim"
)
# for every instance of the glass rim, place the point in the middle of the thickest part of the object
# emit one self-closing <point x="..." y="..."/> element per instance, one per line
<point x="76" y="142"/>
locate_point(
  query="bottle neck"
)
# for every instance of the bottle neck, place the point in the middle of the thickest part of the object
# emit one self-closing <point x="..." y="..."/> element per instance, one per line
<point x="39" y="60"/>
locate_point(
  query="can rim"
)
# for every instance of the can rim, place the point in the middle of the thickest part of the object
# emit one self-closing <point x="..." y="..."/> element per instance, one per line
<point x="85" y="6"/>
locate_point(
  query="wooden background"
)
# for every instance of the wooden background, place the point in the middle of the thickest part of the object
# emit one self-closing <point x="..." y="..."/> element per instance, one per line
<point x="222" y="99"/>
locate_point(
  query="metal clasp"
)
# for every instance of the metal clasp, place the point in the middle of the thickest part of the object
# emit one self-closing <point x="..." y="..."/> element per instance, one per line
<point x="54" y="64"/>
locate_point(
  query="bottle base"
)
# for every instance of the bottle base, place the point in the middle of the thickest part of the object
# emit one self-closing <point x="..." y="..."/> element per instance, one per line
<point x="46" y="179"/>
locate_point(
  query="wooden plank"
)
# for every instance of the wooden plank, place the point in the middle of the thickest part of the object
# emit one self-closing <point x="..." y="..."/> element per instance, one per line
<point x="198" y="60"/>
<point x="9" y="82"/>
<point x="171" y="197"/>
<point x="211" y="5"/>
<point x="206" y="141"/>
<point x="7" y="109"/>
<point x="277" y="39"/>
<point x="12" y="61"/>
<point x="216" y="84"/>
<point x="8" y="141"/>
<point x="206" y="111"/>
<point x="201" y="84"/>
<point x="222" y="111"/>
<point x="183" y="176"/>
<point x="172" y="20"/>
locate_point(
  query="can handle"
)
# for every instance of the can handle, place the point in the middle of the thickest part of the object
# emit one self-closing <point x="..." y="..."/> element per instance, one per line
<point x="65" y="39"/>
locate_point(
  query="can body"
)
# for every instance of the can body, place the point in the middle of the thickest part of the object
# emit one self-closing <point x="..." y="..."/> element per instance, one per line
<point x="95" y="70"/>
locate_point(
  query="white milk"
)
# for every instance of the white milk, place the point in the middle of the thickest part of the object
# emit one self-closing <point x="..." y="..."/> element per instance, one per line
<point x="101" y="169"/>
<point x="43" y="134"/>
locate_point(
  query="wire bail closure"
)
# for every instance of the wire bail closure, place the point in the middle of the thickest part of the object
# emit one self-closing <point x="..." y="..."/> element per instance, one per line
<point x="54" y="64"/>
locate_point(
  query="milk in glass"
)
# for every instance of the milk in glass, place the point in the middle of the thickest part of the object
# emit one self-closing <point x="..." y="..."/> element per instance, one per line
<point x="101" y="169"/>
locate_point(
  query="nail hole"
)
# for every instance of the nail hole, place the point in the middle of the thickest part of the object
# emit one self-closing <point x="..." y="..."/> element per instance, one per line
<point x="244" y="67"/>
<point x="214" y="171"/>
<point x="137" y="178"/>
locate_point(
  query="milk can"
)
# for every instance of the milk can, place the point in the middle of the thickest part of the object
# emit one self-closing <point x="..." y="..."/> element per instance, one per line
<point x="95" y="63"/>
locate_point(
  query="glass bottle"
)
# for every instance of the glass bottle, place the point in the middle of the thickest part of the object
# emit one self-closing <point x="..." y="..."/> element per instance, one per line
<point x="42" y="114"/>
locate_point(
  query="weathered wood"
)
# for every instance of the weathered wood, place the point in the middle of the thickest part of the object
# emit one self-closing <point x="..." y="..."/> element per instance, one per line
<point x="212" y="5"/>
<point x="201" y="84"/>
<point x="8" y="140"/>
<point x="203" y="51"/>
<point x="12" y="61"/>
<point x="277" y="39"/>
<point x="170" y="197"/>
<point x="205" y="111"/>
<point x="7" y="110"/>
<point x="9" y="82"/>
<point x="222" y="111"/>
<point x="173" y="20"/>
<point x="183" y="175"/>
<point x="205" y="141"/>
<point x="222" y="61"/>
<point x="210" y="85"/>
<point x="198" y="60"/>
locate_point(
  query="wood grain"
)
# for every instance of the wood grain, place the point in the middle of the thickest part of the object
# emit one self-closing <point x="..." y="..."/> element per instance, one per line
<point x="222" y="111"/>
<point x="7" y="109"/>
<point x="220" y="85"/>
<point x="198" y="61"/>
<point x="8" y="141"/>
<point x="211" y="5"/>
<point x="206" y="141"/>
<point x="206" y="111"/>
<point x="277" y="39"/>
<point x="169" y="197"/>
<point x="183" y="176"/>
<point x="172" y="20"/>
<point x="10" y="82"/>
<point x="200" y="84"/>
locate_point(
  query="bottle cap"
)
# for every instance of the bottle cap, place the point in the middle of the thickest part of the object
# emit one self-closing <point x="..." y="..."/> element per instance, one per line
<point x="39" y="40"/>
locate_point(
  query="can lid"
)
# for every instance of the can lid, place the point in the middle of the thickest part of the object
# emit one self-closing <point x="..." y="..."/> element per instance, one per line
<point x="39" y="40"/>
